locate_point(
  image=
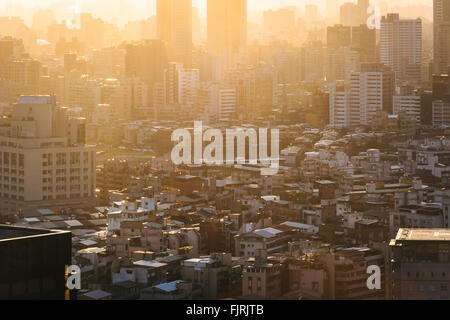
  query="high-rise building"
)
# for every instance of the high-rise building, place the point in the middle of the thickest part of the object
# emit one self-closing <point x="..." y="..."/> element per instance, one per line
<point x="370" y="91"/>
<point x="174" y="27"/>
<point x="363" y="5"/>
<point x="312" y="61"/>
<point x="22" y="72"/>
<point x="189" y="82"/>
<point x="227" y="25"/>
<point x="108" y="63"/>
<point x="408" y="104"/>
<point x="172" y="83"/>
<point x="10" y="48"/>
<point x="45" y="160"/>
<point x="421" y="264"/>
<point x="332" y="11"/>
<point x="146" y="60"/>
<point x="401" y="46"/>
<point x="354" y="14"/>
<point x="340" y="106"/>
<point x="198" y="27"/>
<point x="42" y="19"/>
<point x="280" y="21"/>
<point x="227" y="100"/>
<point x="338" y="36"/>
<point x="440" y="113"/>
<point x="311" y="13"/>
<point x="364" y="41"/>
<point x="93" y="40"/>
<point x="348" y="14"/>
<point x="179" y="90"/>
<point x="342" y="63"/>
<point x="244" y="81"/>
<point x="441" y="21"/>
<point x="441" y="86"/>
<point x="439" y="102"/>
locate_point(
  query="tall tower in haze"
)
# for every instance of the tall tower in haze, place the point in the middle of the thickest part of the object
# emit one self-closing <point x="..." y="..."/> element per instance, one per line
<point x="227" y="25"/>
<point x="441" y="21"/>
<point x="332" y="11"/>
<point x="174" y="27"/>
<point x="401" y="46"/>
<point x="363" y="5"/>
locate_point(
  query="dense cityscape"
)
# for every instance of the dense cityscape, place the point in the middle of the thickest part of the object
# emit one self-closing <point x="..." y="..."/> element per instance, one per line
<point x="355" y="96"/>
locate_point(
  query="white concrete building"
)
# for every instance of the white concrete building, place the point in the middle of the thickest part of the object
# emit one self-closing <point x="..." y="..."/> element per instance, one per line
<point x="441" y="113"/>
<point x="401" y="46"/>
<point x="368" y="92"/>
<point x="44" y="158"/>
<point x="410" y="105"/>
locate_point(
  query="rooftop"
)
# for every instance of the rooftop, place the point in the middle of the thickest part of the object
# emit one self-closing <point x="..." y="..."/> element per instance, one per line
<point x="423" y="235"/>
<point x="13" y="232"/>
<point x="268" y="232"/>
<point x="149" y="264"/>
<point x="169" y="286"/>
<point x="35" y="100"/>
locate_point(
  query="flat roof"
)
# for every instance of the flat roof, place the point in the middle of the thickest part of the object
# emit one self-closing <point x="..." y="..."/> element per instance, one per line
<point x="35" y="99"/>
<point x="268" y="232"/>
<point x="97" y="294"/>
<point x="13" y="232"/>
<point x="168" y="286"/>
<point x="423" y="235"/>
<point x="149" y="264"/>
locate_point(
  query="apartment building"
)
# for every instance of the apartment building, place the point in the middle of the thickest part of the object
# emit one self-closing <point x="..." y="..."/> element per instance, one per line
<point x="441" y="26"/>
<point x="214" y="274"/>
<point x="409" y="105"/>
<point x="425" y="216"/>
<point x="369" y="92"/>
<point x="174" y="27"/>
<point x="270" y="239"/>
<point x="347" y="273"/>
<point x="401" y="46"/>
<point x="45" y="162"/>
<point x="260" y="278"/>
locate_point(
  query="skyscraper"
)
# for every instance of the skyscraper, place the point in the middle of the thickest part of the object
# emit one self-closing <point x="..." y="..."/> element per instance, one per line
<point x="441" y="22"/>
<point x="332" y="11"/>
<point x="401" y="46"/>
<point x="338" y="36"/>
<point x="363" y="5"/>
<point x="364" y="41"/>
<point x="311" y="13"/>
<point x="352" y="14"/>
<point x="227" y="25"/>
<point x="174" y="27"/>
<point x="146" y="60"/>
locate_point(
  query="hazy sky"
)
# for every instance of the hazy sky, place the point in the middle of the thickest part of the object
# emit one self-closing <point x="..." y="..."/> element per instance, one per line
<point x="252" y="4"/>
<point x="143" y="8"/>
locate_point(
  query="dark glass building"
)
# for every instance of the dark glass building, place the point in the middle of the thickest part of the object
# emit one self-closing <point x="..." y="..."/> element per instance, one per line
<point x="33" y="263"/>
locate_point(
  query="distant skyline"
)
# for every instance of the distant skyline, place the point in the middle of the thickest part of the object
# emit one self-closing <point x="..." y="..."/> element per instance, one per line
<point x="140" y="9"/>
<point x="253" y="5"/>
